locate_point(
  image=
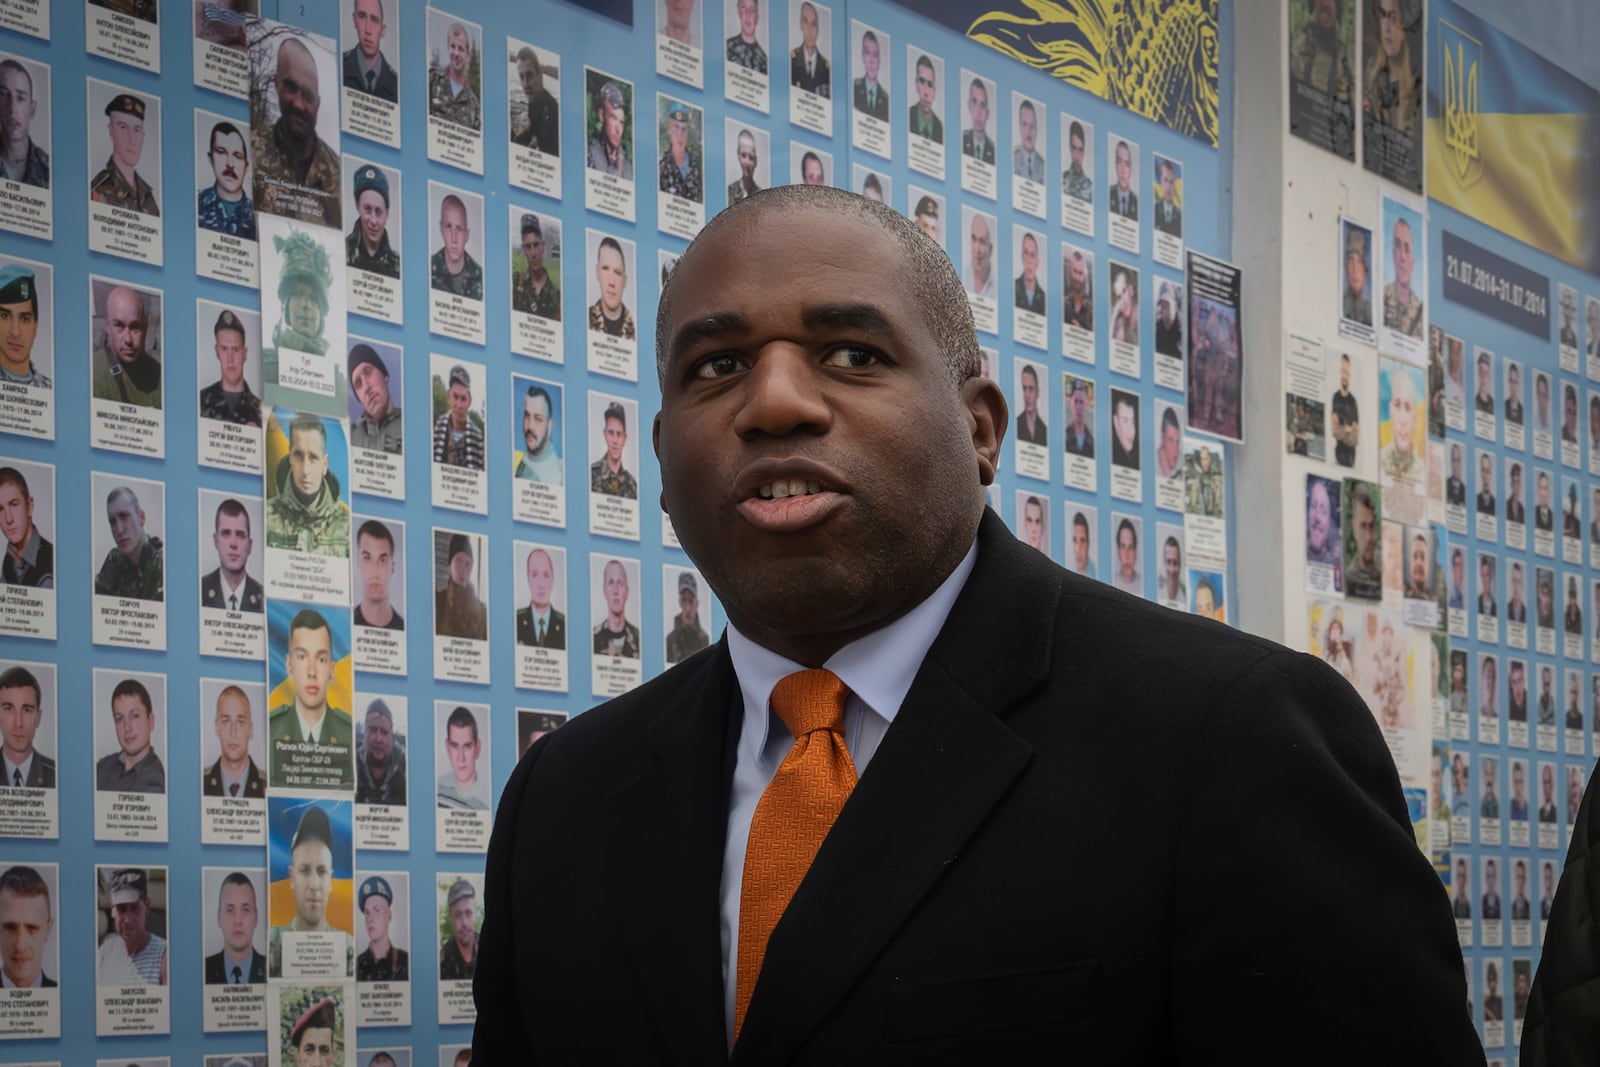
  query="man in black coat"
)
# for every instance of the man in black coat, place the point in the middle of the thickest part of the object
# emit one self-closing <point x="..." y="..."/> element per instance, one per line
<point x="958" y="908"/>
<point x="1562" y="1027"/>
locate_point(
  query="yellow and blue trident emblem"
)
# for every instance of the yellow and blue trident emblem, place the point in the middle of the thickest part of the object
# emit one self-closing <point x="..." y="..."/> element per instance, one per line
<point x="1460" y="91"/>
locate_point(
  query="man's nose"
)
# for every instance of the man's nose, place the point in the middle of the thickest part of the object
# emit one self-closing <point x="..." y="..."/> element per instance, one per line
<point x="783" y="393"/>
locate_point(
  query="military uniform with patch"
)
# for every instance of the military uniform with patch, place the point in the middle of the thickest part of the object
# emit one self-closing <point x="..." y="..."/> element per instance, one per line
<point x="141" y="580"/>
<point x="1403" y="316"/>
<point x="610" y="643"/>
<point x="461" y="108"/>
<point x="320" y="525"/>
<point x="468" y="283"/>
<point x="747" y="54"/>
<point x="335" y="732"/>
<point x="137" y="383"/>
<point x="35" y="168"/>
<point x="236" y="218"/>
<point x="621" y="483"/>
<point x="310" y="196"/>
<point x="109" y="187"/>
<point x="686" y="182"/>
<point x="384" y="261"/>
<point x="241" y="409"/>
<point x="544" y="301"/>
<point x="1077" y="184"/>
<point x="213" y="595"/>
<point x="18" y="286"/>
<point x="619" y="327"/>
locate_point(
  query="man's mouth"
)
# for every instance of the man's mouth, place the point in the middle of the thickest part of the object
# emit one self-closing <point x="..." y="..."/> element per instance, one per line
<point x="787" y="487"/>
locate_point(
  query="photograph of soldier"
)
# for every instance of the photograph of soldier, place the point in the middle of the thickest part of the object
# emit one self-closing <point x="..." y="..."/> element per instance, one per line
<point x="223" y="21"/>
<point x="134" y="767"/>
<point x="1400" y="459"/>
<point x="1323" y="525"/>
<point x="316" y="859"/>
<point x="538" y="123"/>
<point x="452" y="268"/>
<point x="131" y="952"/>
<point x="1169" y="318"/>
<point x="869" y="94"/>
<point x="1031" y="428"/>
<point x="365" y="68"/>
<point x="380" y="423"/>
<point x="1077" y="296"/>
<point x="229" y="585"/>
<point x="1082" y="557"/>
<point x="457" y="609"/>
<point x="614" y="635"/>
<point x="1569" y="406"/>
<point x="380" y="758"/>
<point x="812" y="166"/>
<point x="923" y="119"/>
<point x="375" y="569"/>
<point x="541" y="624"/>
<point x="30" y="558"/>
<point x="975" y="140"/>
<point x="21" y="714"/>
<point x="229" y="398"/>
<point x="1168" y="175"/>
<point x="1027" y="161"/>
<point x="534" y="288"/>
<point x="1356" y="306"/>
<point x="1402" y="305"/>
<point x="133" y="567"/>
<point x="676" y="22"/>
<point x="688" y="634"/>
<point x="314" y="1036"/>
<point x="234" y="774"/>
<point x="926" y="213"/>
<point x="28" y="952"/>
<point x="458" y="947"/>
<point x="458" y="427"/>
<point x="304" y="512"/>
<point x="1079" y="438"/>
<point x="304" y="280"/>
<point x="680" y="132"/>
<point x="608" y="132"/>
<point x="808" y="66"/>
<point x="119" y="183"/>
<point x="1344" y="418"/>
<point x="1541" y="403"/>
<point x="746" y="150"/>
<point x="872" y="183"/>
<point x="609" y="313"/>
<point x="608" y="475"/>
<point x="455" y="76"/>
<point x="127" y="330"/>
<point x="1568" y="301"/>
<point x="747" y="48"/>
<point x="238" y="961"/>
<point x="461" y="786"/>
<point x="1392" y="91"/>
<point x="297" y="169"/>
<point x="1363" y="570"/>
<point x="23" y="159"/>
<point x="977" y="268"/>
<point x="20" y="323"/>
<point x="1127" y="575"/>
<point x="1124" y="304"/>
<point x="382" y="960"/>
<point x="309" y="721"/>
<point x="224" y="206"/>
<point x="1321" y="82"/>
<point x="1516" y="510"/>
<point x="1513" y="409"/>
<point x="1125" y="450"/>
<point x="367" y="246"/>
<point x="540" y="459"/>
<point x="532" y="725"/>
<point x="1032" y="523"/>
<point x="1028" y="291"/>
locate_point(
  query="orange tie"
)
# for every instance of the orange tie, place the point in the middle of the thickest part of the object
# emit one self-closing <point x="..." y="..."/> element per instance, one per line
<point x="793" y="815"/>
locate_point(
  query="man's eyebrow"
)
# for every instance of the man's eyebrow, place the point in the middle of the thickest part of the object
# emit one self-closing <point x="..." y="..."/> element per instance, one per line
<point x="859" y="317"/>
<point x="715" y="324"/>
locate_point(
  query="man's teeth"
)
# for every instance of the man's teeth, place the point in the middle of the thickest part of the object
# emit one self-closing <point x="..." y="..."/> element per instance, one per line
<point x="788" y="487"/>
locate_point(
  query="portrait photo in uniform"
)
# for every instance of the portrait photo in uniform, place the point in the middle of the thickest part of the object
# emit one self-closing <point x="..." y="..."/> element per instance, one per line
<point x="306" y="501"/>
<point x="680" y="131"/>
<point x="460" y="570"/>
<point x="1322" y="62"/>
<point x="1083" y="539"/>
<point x="28" y="721"/>
<point x="372" y="243"/>
<point x="925" y="90"/>
<point x="1324" y="525"/>
<point x="234" y="903"/>
<point x="381" y="751"/>
<point x="369" y="36"/>
<point x="459" y="909"/>
<point x="28" y="524"/>
<point x="532" y="725"/>
<point x="125" y="332"/>
<point x="613" y="285"/>
<point x="1028" y="139"/>
<point x="614" y="446"/>
<point x="926" y="209"/>
<point x="747" y="156"/>
<point x="870" y="71"/>
<point x="608" y="128"/>
<point x="121" y="125"/>
<point x="536" y="266"/>
<point x="1169" y="317"/>
<point x="455" y="70"/>
<point x="456" y="263"/>
<point x="810" y="45"/>
<point x="294" y="124"/>
<point x="1032" y="402"/>
<point x="978" y="109"/>
<point x="535" y="100"/>
<point x="1122" y="176"/>
<point x="1028" y="270"/>
<point x="459" y="414"/>
<point x="614" y="600"/>
<point x="1124" y="311"/>
<point x="1078" y="440"/>
<point x="1392" y="65"/>
<point x="1128" y="552"/>
<point x="679" y="20"/>
<point x="979" y="241"/>
<point x="222" y="22"/>
<point x="1355" y="276"/>
<point x="1077" y="286"/>
<point x="744" y="24"/>
<point x="1404" y="279"/>
<point x="30" y="902"/>
<point x="809" y="166"/>
<point x="222" y="176"/>
<point x="1125" y="444"/>
<point x="299" y="302"/>
<point x="872" y="184"/>
<point x="310" y="736"/>
<point x="25" y="110"/>
<point x="128" y="546"/>
<point x="311" y="863"/>
<point x="130" y="732"/>
<point x="131" y="924"/>
<point x="316" y="1024"/>
<point x="380" y="593"/>
<point x="1077" y="175"/>
<point x="228" y="363"/>
<point x="541" y="601"/>
<point x="375" y="404"/>
<point x="1167" y="188"/>
<point x="383" y="929"/>
<point x="461" y="758"/>
<point x="231" y="552"/>
<point x="27" y="323"/>
<point x="1033" y="519"/>
<point x="536" y="414"/>
<point x="686" y="612"/>
<point x="233" y="746"/>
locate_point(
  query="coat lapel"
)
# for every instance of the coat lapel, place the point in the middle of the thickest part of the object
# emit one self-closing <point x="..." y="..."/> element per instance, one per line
<point x="667" y="830"/>
<point x="946" y="761"/>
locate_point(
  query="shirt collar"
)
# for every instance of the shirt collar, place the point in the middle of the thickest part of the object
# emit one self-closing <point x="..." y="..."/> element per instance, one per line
<point x="25" y="767"/>
<point x="878" y="668"/>
<point x="307" y="728"/>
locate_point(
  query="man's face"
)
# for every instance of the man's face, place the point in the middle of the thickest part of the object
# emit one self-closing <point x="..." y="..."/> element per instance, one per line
<point x="1541" y="397"/>
<point x="535" y="424"/>
<point x="678" y="133"/>
<point x="460" y="398"/>
<point x="464" y="920"/>
<point x="1544" y="490"/>
<point x="17" y="107"/>
<point x="929" y="224"/>
<point x="453" y="231"/>
<point x="531" y="76"/>
<point x="376" y="913"/>
<point x="811" y="171"/>
<point x="1518" y="786"/>
<point x="127" y="138"/>
<point x="134" y="723"/>
<point x="869" y="58"/>
<point x="1033" y="524"/>
<point x="688" y="606"/>
<point x="1325" y="12"/>
<point x="25" y="925"/>
<point x="926" y="86"/>
<point x="1457" y="570"/>
<point x="1516" y="584"/>
<point x="231" y="538"/>
<point x="1402" y="414"/>
<point x="981" y="246"/>
<point x="1344" y="375"/>
<point x="236" y="917"/>
<point x="127" y="524"/>
<point x="19" y="719"/>
<point x="1075" y="149"/>
<point x="1546" y="599"/>
<point x="1127" y="551"/>
<point x="1390" y="30"/>
<point x="460" y="50"/>
<point x="1027" y="127"/>
<point x="368" y="18"/>
<point x="231" y="355"/>
<point x="1172" y="564"/>
<point x="16" y="516"/>
<point x="541" y="579"/>
<point x="978" y="106"/>
<point x="310" y="656"/>
<point x="1030" y="391"/>
<point x="1484" y="376"/>
<point x="1080" y="407"/>
<point x="1080" y="547"/>
<point x="308" y="461"/>
<point x="748" y="157"/>
<point x="1166" y="182"/>
<point x="461" y="568"/>
<point x="461" y="745"/>
<point x="1124" y="166"/>
<point x="374" y="212"/>
<point x="749" y="14"/>
<point x="1366" y="534"/>
<point x="808" y="26"/>
<point x="1080" y="275"/>
<point x="1030" y="262"/>
<point x="1319" y="514"/>
<point x="125" y="324"/>
<point x="615" y="119"/>
<point x="1516" y="481"/>
<point x="1514" y="382"/>
<point x="1169" y="446"/>
<point x="612" y="274"/>
<point x="1569" y="409"/>
<point x="375" y="557"/>
<point x="1591" y="316"/>
<point x="129" y="919"/>
<point x="233" y="727"/>
<point x="1204" y="602"/>
<point x="1517" y="678"/>
<point x="1519" y="875"/>
<point x="371" y="387"/>
<point x="616" y="437"/>
<point x="379" y="737"/>
<point x="302" y="309"/>
<point x="229" y="164"/>
<point x="1125" y="423"/>
<point x="1455" y="461"/>
<point x="1419" y="564"/>
<point x="315" y="1047"/>
<point x="1355" y="272"/>
<point x="1402" y="253"/>
<point x="311" y="880"/>
<point x="298" y="95"/>
<point x="533" y="249"/>
<point x="1164" y="311"/>
<point x="615" y="587"/>
<point x="1122" y="295"/>
<point x="19" y="325"/>
<point x="1547" y="781"/>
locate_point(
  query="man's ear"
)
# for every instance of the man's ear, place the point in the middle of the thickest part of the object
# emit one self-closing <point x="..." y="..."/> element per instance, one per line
<point x="655" y="445"/>
<point x="987" y="417"/>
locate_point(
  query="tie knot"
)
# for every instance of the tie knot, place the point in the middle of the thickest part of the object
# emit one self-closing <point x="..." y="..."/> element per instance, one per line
<point x="810" y="700"/>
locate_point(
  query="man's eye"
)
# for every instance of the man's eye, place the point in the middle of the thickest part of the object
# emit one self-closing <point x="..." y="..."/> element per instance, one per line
<point x="850" y="356"/>
<point x="717" y="367"/>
